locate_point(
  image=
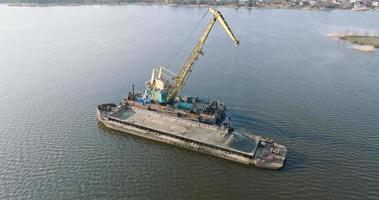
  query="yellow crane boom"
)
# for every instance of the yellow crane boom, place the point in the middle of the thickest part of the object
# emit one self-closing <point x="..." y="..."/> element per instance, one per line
<point x="183" y="75"/>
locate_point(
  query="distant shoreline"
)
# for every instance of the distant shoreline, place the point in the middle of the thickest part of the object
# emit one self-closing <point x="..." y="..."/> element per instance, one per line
<point x="264" y="5"/>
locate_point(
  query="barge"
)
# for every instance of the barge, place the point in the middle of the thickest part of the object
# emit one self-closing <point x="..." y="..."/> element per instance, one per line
<point x="205" y="138"/>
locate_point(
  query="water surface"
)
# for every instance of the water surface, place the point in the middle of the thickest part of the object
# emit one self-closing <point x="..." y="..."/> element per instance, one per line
<point x="286" y="81"/>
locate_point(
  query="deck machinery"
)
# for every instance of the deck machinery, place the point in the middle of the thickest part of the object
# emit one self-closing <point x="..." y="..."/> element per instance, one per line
<point x="159" y="113"/>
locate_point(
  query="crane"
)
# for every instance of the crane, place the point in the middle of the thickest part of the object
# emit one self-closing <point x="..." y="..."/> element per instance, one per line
<point x="163" y="91"/>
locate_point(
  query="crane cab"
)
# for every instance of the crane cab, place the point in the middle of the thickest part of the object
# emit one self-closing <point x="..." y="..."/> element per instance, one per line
<point x="159" y="84"/>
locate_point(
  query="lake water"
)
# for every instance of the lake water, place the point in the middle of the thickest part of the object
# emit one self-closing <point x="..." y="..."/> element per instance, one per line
<point x="287" y="81"/>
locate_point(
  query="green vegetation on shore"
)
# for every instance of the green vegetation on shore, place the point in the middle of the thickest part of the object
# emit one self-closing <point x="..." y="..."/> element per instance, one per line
<point x="362" y="40"/>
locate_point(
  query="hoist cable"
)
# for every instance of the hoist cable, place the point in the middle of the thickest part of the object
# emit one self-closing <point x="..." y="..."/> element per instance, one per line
<point x="187" y="39"/>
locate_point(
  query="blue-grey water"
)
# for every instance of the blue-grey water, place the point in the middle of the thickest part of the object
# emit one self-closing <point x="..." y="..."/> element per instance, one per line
<point x="287" y="81"/>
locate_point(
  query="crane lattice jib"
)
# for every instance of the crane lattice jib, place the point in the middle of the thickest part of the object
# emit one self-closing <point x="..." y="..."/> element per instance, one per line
<point x="183" y="75"/>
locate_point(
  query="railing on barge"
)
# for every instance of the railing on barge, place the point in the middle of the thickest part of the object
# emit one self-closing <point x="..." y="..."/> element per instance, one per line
<point x="152" y="131"/>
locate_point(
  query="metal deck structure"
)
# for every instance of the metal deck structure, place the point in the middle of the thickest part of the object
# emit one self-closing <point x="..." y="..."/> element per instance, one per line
<point x="196" y="131"/>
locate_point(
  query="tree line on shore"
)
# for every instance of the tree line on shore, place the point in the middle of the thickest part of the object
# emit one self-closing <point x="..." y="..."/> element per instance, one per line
<point x="311" y="4"/>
